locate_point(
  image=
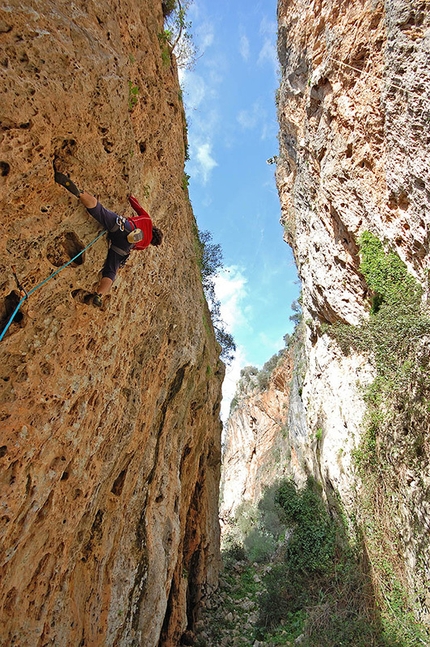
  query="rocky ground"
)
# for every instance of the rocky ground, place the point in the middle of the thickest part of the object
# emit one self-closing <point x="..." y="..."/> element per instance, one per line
<point x="231" y="616"/>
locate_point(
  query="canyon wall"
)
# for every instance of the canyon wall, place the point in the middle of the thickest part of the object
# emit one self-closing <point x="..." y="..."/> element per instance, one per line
<point x="256" y="451"/>
<point x="110" y="429"/>
<point x="353" y="108"/>
<point x="354" y="149"/>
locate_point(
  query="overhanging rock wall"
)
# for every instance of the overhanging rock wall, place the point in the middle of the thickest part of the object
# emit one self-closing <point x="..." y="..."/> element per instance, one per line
<point x="110" y="432"/>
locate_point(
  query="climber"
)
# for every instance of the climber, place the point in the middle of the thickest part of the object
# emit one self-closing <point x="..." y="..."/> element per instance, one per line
<point x="125" y="234"/>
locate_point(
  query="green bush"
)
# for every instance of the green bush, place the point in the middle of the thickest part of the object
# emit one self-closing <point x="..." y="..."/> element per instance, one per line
<point x="392" y="337"/>
<point x="386" y="274"/>
<point x="233" y="552"/>
<point x="280" y="601"/>
<point x="133" y="95"/>
<point x="322" y="589"/>
<point x="269" y="513"/>
<point x="168" y="7"/>
<point x="312" y="543"/>
<point x="319" y="583"/>
<point x="246" y="517"/>
<point x="396" y="338"/>
<point x="180" y="39"/>
<point x="259" y="546"/>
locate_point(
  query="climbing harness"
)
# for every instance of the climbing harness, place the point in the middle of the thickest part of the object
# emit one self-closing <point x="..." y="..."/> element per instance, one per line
<point x="39" y="285"/>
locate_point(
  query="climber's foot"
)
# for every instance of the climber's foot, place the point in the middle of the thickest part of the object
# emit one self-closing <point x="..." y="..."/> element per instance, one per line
<point x="98" y="300"/>
<point x="65" y="181"/>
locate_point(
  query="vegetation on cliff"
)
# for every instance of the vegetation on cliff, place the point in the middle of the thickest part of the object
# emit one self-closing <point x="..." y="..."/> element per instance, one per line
<point x="210" y="261"/>
<point x="296" y="573"/>
<point x="396" y="337"/>
<point x="177" y="37"/>
<point x="252" y="378"/>
<point x="296" y="567"/>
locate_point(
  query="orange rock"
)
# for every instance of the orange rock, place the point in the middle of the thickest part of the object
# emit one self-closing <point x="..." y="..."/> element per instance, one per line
<point x="110" y="443"/>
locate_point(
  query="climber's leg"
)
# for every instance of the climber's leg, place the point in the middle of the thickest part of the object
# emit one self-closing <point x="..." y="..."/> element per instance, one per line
<point x="88" y="200"/>
<point x="104" y="286"/>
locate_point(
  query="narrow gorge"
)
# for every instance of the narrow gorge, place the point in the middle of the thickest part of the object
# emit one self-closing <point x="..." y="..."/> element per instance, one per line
<point x="112" y="499"/>
<point x="353" y="180"/>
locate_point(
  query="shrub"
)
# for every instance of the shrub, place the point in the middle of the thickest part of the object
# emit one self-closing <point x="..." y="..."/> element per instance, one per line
<point x="321" y="590"/>
<point x="281" y="599"/>
<point x="233" y="552"/>
<point x="386" y="274"/>
<point x="396" y="338"/>
<point x="179" y="40"/>
<point x="311" y="545"/>
<point x="168" y="7"/>
<point x="210" y="261"/>
<point x="133" y="95"/>
<point x="259" y="546"/>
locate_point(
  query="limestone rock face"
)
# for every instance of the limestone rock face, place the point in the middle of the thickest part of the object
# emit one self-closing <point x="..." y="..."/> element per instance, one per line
<point x="257" y="450"/>
<point x="110" y="431"/>
<point x="353" y="141"/>
<point x="354" y="151"/>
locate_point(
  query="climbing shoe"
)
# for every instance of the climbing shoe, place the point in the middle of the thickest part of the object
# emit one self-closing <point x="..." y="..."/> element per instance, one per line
<point x="98" y="300"/>
<point x="65" y="181"/>
<point x="135" y="235"/>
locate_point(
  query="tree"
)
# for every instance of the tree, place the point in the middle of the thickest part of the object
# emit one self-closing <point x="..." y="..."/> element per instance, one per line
<point x="211" y="264"/>
<point x="177" y="32"/>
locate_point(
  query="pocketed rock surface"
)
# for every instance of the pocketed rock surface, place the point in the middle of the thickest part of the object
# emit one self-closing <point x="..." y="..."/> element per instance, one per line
<point x="110" y="432"/>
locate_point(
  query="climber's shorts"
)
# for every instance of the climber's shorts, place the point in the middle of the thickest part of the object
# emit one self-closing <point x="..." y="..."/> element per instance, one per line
<point x="112" y="264"/>
<point x="109" y="220"/>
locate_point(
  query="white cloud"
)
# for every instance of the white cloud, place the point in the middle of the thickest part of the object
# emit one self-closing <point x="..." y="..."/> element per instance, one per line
<point x="230" y="288"/>
<point x="194" y="88"/>
<point x="244" y="47"/>
<point x="268" y="52"/>
<point x="206" y="37"/>
<point x="271" y="345"/>
<point x="202" y="161"/>
<point x="247" y="119"/>
<point x="268" y="27"/>
<point x="201" y="104"/>
<point x="202" y="28"/>
<point x="250" y="119"/>
<point x="232" y="375"/>
<point x="205" y="161"/>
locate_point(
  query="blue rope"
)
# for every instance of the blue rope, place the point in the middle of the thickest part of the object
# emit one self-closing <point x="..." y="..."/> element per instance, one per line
<point x="51" y="276"/>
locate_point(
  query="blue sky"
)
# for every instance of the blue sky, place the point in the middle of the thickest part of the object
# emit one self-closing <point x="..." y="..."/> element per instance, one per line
<point x="229" y="97"/>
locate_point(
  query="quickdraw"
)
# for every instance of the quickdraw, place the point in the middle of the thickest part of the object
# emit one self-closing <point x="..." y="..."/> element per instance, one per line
<point x="22" y="291"/>
<point x="120" y="221"/>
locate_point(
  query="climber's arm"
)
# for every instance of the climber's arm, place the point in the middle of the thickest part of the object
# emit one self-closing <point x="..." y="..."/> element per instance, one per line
<point x="137" y="207"/>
